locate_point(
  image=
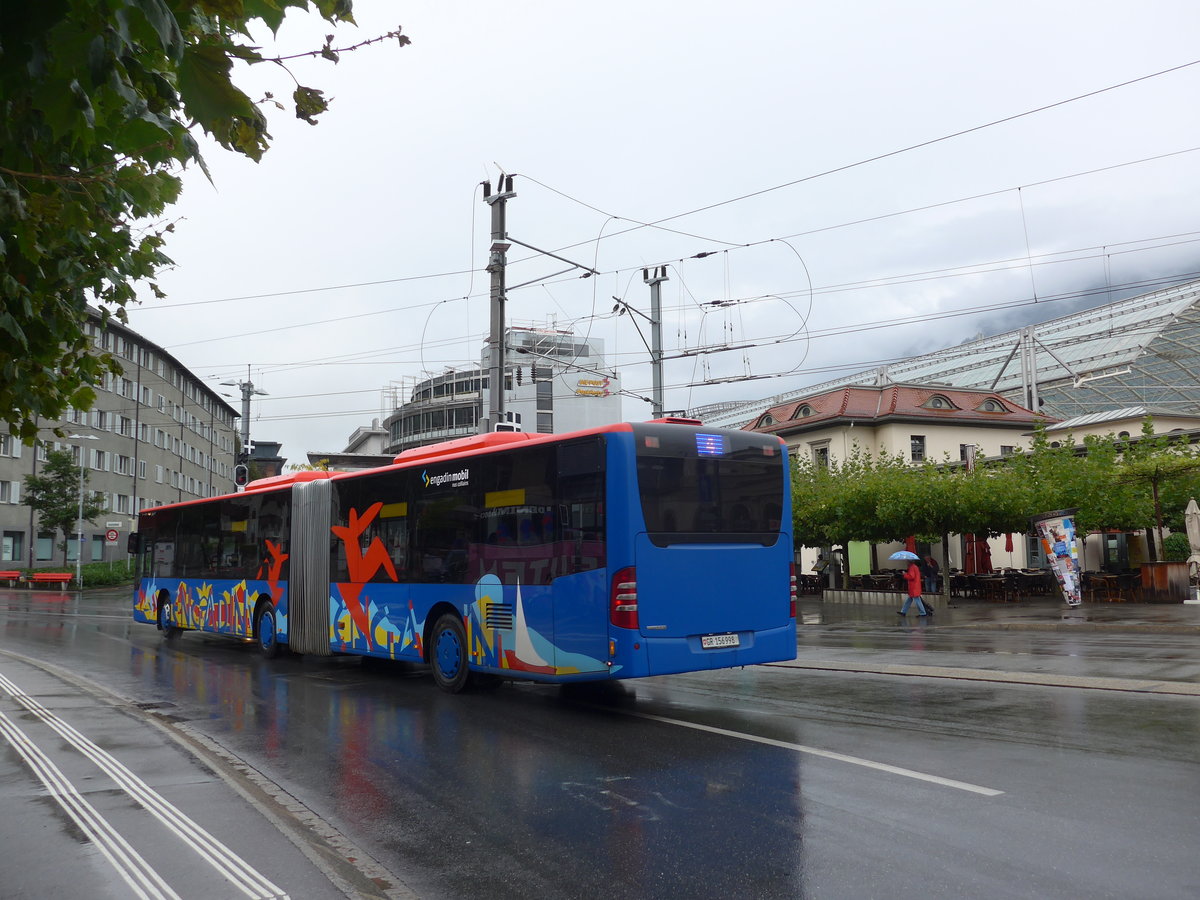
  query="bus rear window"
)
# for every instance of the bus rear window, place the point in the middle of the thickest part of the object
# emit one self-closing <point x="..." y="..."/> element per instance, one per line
<point x="707" y="486"/>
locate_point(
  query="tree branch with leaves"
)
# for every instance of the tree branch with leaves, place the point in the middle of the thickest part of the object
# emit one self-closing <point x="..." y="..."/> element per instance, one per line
<point x="98" y="104"/>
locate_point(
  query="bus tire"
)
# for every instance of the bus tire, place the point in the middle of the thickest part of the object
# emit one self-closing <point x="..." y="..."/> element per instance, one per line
<point x="169" y="631"/>
<point x="448" y="654"/>
<point x="264" y="630"/>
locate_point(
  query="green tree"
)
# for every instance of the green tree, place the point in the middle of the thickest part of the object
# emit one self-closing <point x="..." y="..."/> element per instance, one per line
<point x="98" y="101"/>
<point x="1154" y="462"/>
<point x="55" y="495"/>
<point x="880" y="498"/>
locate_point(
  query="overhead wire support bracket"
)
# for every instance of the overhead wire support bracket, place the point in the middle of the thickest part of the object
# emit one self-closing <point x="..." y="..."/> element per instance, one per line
<point x="569" y="262"/>
<point x="513" y="287"/>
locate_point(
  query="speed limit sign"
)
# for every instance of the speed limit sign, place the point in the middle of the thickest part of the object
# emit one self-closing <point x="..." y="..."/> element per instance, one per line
<point x="111" y="536"/>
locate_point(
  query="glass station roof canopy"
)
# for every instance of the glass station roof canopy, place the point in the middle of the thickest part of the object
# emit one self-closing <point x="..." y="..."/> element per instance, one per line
<point x="1142" y="351"/>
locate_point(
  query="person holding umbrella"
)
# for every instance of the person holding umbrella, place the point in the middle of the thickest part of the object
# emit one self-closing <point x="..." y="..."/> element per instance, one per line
<point x="912" y="577"/>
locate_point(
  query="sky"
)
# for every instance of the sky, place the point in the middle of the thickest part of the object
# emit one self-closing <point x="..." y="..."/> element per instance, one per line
<point x="870" y="180"/>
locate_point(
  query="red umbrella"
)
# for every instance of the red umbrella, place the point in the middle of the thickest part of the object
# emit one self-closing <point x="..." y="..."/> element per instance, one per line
<point x="1008" y="544"/>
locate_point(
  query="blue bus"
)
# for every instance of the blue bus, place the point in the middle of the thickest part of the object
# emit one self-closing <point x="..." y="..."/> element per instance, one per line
<point x="617" y="552"/>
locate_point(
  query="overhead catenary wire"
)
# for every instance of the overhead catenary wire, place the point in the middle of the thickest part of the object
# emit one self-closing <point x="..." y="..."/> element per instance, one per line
<point x="470" y="271"/>
<point x="967" y="351"/>
<point x="738" y="245"/>
<point x="809" y="291"/>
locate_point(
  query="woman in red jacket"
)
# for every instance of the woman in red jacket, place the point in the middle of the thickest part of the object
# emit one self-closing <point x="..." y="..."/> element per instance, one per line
<point x="913" y="577"/>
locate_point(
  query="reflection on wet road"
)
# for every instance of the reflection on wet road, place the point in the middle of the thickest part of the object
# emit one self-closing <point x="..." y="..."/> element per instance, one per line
<point x="747" y="783"/>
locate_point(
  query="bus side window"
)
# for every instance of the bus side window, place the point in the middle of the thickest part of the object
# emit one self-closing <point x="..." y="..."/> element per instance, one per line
<point x="581" y="503"/>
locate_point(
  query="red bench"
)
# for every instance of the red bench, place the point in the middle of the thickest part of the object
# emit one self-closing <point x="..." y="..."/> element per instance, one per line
<point x="10" y="576"/>
<point x="59" y="578"/>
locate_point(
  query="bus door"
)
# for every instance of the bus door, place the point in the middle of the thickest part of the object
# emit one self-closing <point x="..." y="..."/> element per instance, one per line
<point x="580" y="584"/>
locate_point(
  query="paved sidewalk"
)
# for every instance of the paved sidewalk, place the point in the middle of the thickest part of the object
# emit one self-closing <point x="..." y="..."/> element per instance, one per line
<point x="1031" y="613"/>
<point x="1144" y="648"/>
<point x="102" y="799"/>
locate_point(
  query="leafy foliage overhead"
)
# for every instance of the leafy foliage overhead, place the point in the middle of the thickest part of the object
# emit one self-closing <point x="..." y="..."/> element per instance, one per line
<point x="97" y="104"/>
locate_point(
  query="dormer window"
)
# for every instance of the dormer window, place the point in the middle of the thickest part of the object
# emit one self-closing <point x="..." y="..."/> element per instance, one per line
<point x="937" y="401"/>
<point x="766" y="420"/>
<point x="802" y="411"/>
<point x="992" y="405"/>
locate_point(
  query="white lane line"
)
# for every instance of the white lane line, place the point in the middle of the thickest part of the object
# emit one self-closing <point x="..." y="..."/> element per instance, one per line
<point x="238" y="872"/>
<point x="827" y="754"/>
<point x="130" y="865"/>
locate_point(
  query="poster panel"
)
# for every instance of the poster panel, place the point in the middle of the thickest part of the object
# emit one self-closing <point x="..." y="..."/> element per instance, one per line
<point x="1056" y="531"/>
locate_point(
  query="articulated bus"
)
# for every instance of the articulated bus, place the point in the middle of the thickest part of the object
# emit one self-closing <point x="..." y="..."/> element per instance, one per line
<point x="618" y="552"/>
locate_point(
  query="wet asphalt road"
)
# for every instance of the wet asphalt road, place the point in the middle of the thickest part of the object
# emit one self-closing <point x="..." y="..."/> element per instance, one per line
<point x="768" y="782"/>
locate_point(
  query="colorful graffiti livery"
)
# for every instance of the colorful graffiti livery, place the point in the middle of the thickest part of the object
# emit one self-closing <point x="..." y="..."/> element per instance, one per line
<point x="619" y="552"/>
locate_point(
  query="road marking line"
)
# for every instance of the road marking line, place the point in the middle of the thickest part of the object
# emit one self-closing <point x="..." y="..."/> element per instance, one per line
<point x="236" y="870"/>
<point x="130" y="865"/>
<point x="827" y="754"/>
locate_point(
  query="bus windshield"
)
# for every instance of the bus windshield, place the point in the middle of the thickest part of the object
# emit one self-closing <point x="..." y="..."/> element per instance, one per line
<point x="706" y="487"/>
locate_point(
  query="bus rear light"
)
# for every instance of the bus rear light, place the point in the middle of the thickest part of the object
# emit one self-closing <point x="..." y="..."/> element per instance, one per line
<point x="623" y="602"/>
<point x="792" y="574"/>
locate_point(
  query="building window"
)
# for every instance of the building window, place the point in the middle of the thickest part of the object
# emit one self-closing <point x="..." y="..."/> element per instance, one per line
<point x="803" y="412"/>
<point x="545" y="422"/>
<point x="141" y="468"/>
<point x="13" y="547"/>
<point x="992" y="405"/>
<point x="97" y="547"/>
<point x="937" y="401"/>
<point x="1006" y="450"/>
<point x="916" y="443"/>
<point x="45" y="545"/>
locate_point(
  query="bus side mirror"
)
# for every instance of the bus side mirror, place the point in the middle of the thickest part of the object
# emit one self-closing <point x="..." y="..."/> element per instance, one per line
<point x="133" y="544"/>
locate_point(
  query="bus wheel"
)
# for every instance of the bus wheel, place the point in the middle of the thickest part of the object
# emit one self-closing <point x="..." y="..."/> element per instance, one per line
<point x="170" y="632"/>
<point x="449" y="657"/>
<point x="264" y="630"/>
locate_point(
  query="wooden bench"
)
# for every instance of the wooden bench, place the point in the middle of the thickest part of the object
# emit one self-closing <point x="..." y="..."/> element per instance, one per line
<point x="62" y="579"/>
<point x="12" y="577"/>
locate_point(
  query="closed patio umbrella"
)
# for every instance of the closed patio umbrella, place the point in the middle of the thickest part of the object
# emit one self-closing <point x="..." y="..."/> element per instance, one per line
<point x="1191" y="521"/>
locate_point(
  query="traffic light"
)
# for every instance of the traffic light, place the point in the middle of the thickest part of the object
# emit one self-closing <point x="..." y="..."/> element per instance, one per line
<point x="241" y="475"/>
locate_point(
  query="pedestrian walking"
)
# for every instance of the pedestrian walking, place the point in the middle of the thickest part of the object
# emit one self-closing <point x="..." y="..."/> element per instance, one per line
<point x="912" y="576"/>
<point x="929" y="574"/>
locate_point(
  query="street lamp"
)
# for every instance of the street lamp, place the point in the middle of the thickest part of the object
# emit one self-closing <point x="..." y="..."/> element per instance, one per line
<point x="79" y="521"/>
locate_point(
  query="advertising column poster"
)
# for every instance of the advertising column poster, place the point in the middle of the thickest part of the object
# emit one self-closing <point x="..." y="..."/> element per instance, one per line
<point x="1056" y="531"/>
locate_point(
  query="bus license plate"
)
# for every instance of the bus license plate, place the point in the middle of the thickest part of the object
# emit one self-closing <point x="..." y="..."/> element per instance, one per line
<point x="712" y="641"/>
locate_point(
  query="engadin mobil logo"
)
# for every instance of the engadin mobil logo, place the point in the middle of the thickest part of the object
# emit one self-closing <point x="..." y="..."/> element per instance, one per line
<point x="454" y="479"/>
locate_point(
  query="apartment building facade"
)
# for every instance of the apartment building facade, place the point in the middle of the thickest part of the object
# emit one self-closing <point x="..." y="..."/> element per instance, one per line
<point x="156" y="434"/>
